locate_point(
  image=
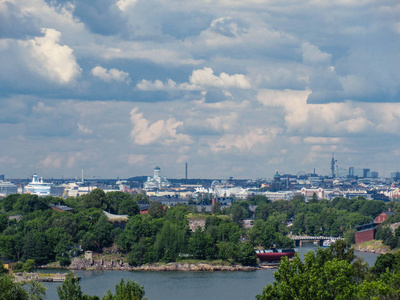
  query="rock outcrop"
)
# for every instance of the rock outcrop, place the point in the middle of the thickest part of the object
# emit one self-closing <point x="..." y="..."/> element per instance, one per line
<point x="83" y="264"/>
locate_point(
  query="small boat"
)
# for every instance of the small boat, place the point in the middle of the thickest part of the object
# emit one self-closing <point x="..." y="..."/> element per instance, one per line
<point x="274" y="254"/>
<point x="327" y="243"/>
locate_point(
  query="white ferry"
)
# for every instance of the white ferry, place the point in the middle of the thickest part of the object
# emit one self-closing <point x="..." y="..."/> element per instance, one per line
<point x="38" y="187"/>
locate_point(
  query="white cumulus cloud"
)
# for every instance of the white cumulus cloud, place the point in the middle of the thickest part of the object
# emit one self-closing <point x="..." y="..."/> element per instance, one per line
<point x="110" y="75"/>
<point x="330" y="118"/>
<point x="161" y="131"/>
<point x="123" y="5"/>
<point x="206" y="77"/>
<point x="148" y="85"/>
<point x="84" y="129"/>
<point x="52" y="60"/>
<point x="53" y="160"/>
<point x="245" y="142"/>
<point x="200" y="79"/>
<point x="312" y="54"/>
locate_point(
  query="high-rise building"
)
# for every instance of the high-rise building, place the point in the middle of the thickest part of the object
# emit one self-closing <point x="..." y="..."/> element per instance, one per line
<point x="365" y="172"/>
<point x="351" y="172"/>
<point x="333" y="161"/>
<point x="395" y="175"/>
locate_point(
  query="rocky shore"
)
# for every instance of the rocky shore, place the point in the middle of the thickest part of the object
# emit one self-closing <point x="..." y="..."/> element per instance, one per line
<point x="84" y="264"/>
<point x="373" y="246"/>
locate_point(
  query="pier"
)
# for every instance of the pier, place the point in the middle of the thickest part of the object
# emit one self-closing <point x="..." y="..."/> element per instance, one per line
<point x="41" y="277"/>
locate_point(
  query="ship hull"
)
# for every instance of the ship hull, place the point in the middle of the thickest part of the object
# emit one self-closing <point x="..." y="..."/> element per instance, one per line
<point x="274" y="256"/>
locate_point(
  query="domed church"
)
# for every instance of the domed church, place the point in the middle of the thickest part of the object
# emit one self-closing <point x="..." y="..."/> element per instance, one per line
<point x="156" y="182"/>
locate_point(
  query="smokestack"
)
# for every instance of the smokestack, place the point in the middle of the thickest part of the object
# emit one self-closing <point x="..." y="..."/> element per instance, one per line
<point x="186" y="171"/>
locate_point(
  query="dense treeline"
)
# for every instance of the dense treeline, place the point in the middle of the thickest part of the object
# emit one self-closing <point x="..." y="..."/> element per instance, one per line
<point x="321" y="217"/>
<point x="167" y="239"/>
<point x="46" y="235"/>
<point x="335" y="273"/>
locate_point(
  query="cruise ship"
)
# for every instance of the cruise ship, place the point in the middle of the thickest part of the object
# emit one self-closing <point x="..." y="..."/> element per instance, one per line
<point x="38" y="187"/>
<point x="7" y="188"/>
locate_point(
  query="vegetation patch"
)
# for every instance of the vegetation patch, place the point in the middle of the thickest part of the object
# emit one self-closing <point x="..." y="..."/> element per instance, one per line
<point x="375" y="246"/>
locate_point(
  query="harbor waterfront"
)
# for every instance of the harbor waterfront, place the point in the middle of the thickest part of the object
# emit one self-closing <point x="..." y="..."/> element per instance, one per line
<point x="185" y="285"/>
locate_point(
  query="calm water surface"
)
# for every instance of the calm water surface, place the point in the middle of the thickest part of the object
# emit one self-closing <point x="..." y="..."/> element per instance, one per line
<point x="185" y="285"/>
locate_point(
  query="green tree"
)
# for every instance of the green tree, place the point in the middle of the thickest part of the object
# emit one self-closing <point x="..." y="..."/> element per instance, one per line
<point x="350" y="237"/>
<point x="372" y="208"/>
<point x="129" y="207"/>
<point x="156" y="209"/>
<point x="216" y="208"/>
<point x="384" y="233"/>
<point x="136" y="256"/>
<point x="247" y="255"/>
<point x="341" y="251"/>
<point x="376" y="290"/>
<point x="96" y="199"/>
<point x="64" y="261"/>
<point x="314" y="198"/>
<point x="3" y="222"/>
<point x="300" y="223"/>
<point x="137" y="227"/>
<point x="238" y="214"/>
<point x="140" y="198"/>
<point x="3" y="270"/>
<point x="7" y="246"/>
<point x="8" y="202"/>
<point x="258" y="200"/>
<point x="102" y="232"/>
<point x="27" y="203"/>
<point x="263" y="211"/>
<point x="171" y="240"/>
<point x="29" y="265"/>
<point x="71" y="290"/>
<point x="130" y="290"/>
<point x="385" y="262"/>
<point x="10" y="290"/>
<point x="313" y="279"/>
<point x="228" y="251"/>
<point x="122" y="203"/>
<point x="36" y="247"/>
<point x="201" y="245"/>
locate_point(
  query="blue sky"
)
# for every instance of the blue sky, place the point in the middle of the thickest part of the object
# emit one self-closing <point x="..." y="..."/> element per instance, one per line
<point x="233" y="88"/>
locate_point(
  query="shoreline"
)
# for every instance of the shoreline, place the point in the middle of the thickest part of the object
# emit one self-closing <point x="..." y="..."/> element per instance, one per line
<point x="373" y="246"/>
<point x="84" y="264"/>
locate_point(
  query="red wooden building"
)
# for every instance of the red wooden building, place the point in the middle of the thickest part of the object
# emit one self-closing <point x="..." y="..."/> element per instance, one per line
<point x="383" y="217"/>
<point x="364" y="235"/>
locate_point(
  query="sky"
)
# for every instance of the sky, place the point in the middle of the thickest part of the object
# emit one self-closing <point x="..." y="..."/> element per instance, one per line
<point x="232" y="88"/>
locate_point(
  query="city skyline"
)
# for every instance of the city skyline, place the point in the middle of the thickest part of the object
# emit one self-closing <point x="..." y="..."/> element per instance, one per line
<point x="239" y="90"/>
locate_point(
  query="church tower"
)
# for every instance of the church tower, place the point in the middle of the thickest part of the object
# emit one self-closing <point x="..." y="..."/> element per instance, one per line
<point x="157" y="172"/>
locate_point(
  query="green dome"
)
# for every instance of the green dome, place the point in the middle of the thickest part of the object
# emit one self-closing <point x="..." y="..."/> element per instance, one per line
<point x="277" y="176"/>
<point x="157" y="168"/>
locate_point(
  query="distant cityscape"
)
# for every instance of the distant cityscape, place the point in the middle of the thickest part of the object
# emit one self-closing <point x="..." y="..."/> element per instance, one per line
<point x="343" y="182"/>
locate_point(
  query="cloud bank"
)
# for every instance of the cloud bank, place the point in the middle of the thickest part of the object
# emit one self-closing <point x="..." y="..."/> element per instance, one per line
<point x="240" y="90"/>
